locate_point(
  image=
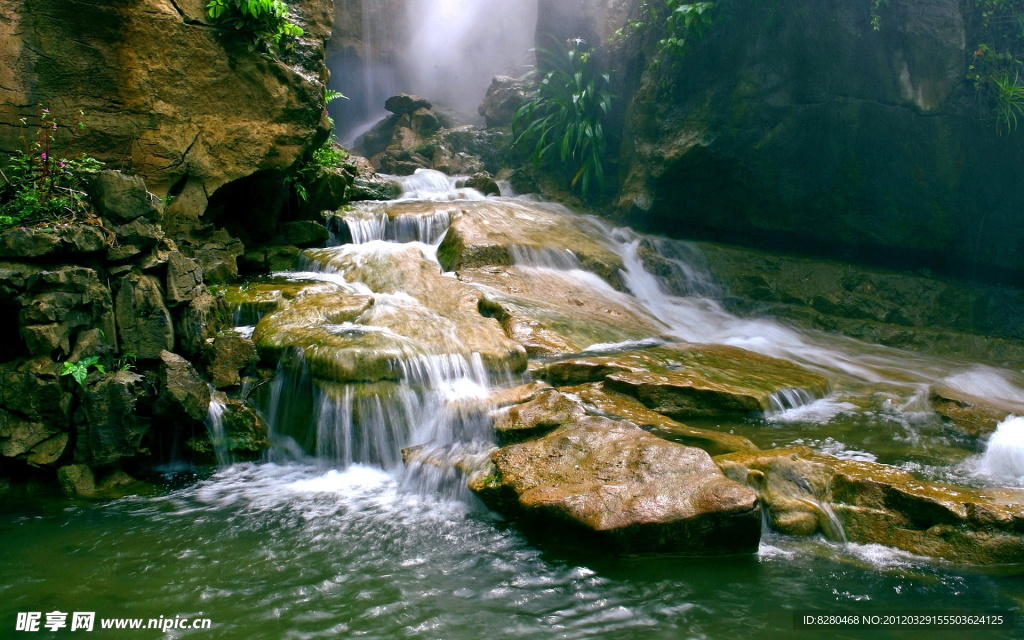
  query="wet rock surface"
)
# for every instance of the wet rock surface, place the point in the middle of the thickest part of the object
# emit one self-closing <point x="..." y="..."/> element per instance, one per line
<point x="686" y="381"/>
<point x="630" y="489"/>
<point x="807" y="492"/>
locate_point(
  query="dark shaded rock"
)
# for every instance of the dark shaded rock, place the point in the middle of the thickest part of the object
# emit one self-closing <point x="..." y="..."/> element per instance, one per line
<point x="302" y="233"/>
<point x="143" y="322"/>
<point x="424" y="122"/>
<point x="122" y="198"/>
<point x="203" y="318"/>
<point x="327" y="190"/>
<point x="35" y="443"/>
<point x="183" y="394"/>
<point x="226" y="355"/>
<point x="108" y="422"/>
<point x="483" y="183"/>
<point x="505" y="95"/>
<point x="269" y="259"/>
<point x="33" y="390"/>
<point x="59" y="302"/>
<point x="77" y="480"/>
<point x="139" y="234"/>
<point x="876" y="503"/>
<point x="245" y="435"/>
<point x="184" y="278"/>
<point x="632" y="490"/>
<point x="218" y="256"/>
<point x="40" y="242"/>
<point x="404" y="103"/>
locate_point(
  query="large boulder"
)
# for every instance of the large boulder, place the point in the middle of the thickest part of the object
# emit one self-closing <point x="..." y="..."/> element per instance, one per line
<point x="626" y="487"/>
<point x="537" y="416"/>
<point x="504" y="97"/>
<point x="807" y="492"/>
<point x="162" y="89"/>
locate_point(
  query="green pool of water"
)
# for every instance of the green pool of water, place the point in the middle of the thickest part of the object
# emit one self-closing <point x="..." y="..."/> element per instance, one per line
<point x="300" y="552"/>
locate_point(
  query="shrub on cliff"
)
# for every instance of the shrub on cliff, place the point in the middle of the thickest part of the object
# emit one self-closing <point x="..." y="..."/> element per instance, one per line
<point x="44" y="180"/>
<point x="264" y="22"/>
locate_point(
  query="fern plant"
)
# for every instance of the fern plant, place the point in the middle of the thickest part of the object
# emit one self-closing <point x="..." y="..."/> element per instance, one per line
<point x="1009" y="97"/>
<point x="565" y="120"/>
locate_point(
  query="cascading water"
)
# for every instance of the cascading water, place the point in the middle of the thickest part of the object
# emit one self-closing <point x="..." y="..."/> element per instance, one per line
<point x="336" y="537"/>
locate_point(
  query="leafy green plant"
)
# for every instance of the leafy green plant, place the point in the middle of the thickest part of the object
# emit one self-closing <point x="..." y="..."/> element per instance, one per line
<point x="996" y="62"/>
<point x="329" y="155"/>
<point x="565" y="119"/>
<point x="876" y="13"/>
<point x="125" y="362"/>
<point x="684" y="23"/>
<point x="43" y="181"/>
<point x="265" y="22"/>
<point x="80" y="370"/>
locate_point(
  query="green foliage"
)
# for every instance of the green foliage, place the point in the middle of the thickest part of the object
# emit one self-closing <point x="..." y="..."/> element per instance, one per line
<point x="329" y="155"/>
<point x="264" y="22"/>
<point x="876" y="13"/>
<point x="43" y="181"/>
<point x="996" y="62"/>
<point x="565" y="120"/>
<point x="684" y="23"/>
<point x="125" y="362"/>
<point x="80" y="370"/>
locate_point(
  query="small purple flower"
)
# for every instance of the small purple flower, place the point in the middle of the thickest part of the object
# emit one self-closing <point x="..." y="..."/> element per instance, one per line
<point x="46" y="111"/>
<point x="63" y="164"/>
<point x="54" y="126"/>
<point x="43" y="156"/>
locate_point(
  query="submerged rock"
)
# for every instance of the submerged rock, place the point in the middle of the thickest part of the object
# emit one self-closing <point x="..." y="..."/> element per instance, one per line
<point x="685" y="381"/>
<point x="633" y="490"/>
<point x="806" y="492"/>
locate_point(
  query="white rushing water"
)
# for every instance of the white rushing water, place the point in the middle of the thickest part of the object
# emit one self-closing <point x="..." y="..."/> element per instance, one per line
<point x="1003" y="459"/>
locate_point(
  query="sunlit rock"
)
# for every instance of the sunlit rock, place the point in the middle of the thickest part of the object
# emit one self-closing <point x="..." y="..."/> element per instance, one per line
<point x="546" y="412"/>
<point x="489" y="234"/>
<point x="685" y="381"/>
<point x="552" y="313"/>
<point x="806" y="492"/>
<point x="602" y="401"/>
<point x="630" y="489"/>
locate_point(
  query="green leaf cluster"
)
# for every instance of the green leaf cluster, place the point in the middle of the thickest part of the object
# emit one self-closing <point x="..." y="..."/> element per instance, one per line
<point x="265" y="23"/>
<point x="565" y="120"/>
<point x="684" y="23"/>
<point x="43" y="180"/>
<point x="996" y="64"/>
<point x="329" y="155"/>
<point x="80" y="370"/>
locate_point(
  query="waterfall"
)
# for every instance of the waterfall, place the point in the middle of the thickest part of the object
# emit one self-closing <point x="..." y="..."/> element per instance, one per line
<point x="215" y="427"/>
<point x="1003" y="459"/>
<point x="455" y="47"/>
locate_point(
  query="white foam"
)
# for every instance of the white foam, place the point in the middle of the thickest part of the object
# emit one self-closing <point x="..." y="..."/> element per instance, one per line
<point x="1003" y="459"/>
<point x="820" y="411"/>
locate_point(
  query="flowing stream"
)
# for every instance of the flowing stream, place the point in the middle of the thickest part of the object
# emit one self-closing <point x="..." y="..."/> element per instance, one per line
<point x="335" y="537"/>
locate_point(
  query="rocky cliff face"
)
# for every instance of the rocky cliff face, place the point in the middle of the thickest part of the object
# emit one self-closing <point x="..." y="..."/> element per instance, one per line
<point x="797" y="126"/>
<point x="166" y="95"/>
